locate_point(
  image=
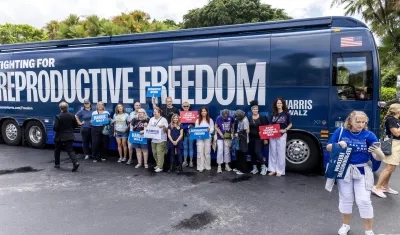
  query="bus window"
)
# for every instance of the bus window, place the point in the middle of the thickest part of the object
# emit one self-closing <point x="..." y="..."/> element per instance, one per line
<point x="352" y="75"/>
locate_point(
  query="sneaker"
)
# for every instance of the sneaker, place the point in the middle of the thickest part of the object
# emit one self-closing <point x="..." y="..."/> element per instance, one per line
<point x="239" y="173"/>
<point x="344" y="229"/>
<point x="86" y="157"/>
<point x="263" y="170"/>
<point x="234" y="170"/>
<point x="369" y="232"/>
<point x="94" y="160"/>
<point x="138" y="165"/>
<point x="103" y="159"/>
<point x="191" y="164"/>
<point x="158" y="170"/>
<point x="390" y="190"/>
<point x="124" y="159"/>
<point x="156" y="167"/>
<point x="184" y="164"/>
<point x="219" y="169"/>
<point x="120" y="159"/>
<point x="254" y="171"/>
<point x="146" y="166"/>
<point x="129" y="162"/>
<point x="227" y="168"/>
<point x="378" y="192"/>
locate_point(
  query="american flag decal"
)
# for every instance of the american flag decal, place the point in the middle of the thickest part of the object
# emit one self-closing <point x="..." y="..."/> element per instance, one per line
<point x="351" y="41"/>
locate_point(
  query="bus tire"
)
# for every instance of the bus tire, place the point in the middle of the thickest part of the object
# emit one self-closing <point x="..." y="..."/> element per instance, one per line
<point x="35" y="134"/>
<point x="302" y="153"/>
<point x="11" y="132"/>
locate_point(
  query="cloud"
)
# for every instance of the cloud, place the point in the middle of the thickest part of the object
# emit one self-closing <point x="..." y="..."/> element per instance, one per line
<point x="39" y="12"/>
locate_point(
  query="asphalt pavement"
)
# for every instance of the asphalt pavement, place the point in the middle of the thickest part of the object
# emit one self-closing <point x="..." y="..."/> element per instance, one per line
<point x="114" y="198"/>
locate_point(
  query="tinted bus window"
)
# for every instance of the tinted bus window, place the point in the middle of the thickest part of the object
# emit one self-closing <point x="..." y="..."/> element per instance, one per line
<point x="352" y="75"/>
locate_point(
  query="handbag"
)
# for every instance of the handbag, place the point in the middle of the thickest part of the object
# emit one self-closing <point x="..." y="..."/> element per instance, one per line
<point x="106" y="130"/>
<point x="386" y="143"/>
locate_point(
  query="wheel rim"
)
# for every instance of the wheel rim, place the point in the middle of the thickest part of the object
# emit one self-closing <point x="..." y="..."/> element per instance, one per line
<point x="11" y="131"/>
<point x="297" y="151"/>
<point x="35" y="134"/>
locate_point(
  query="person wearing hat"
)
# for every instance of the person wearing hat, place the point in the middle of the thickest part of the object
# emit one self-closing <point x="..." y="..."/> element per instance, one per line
<point x="83" y="118"/>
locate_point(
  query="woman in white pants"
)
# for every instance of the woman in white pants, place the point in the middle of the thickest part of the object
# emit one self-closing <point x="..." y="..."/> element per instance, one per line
<point x="359" y="179"/>
<point x="277" y="146"/>
<point x="204" y="145"/>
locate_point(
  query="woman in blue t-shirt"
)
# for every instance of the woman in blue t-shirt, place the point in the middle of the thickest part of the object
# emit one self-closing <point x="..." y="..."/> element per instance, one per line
<point x="392" y="129"/>
<point x="359" y="179"/>
<point x="83" y="117"/>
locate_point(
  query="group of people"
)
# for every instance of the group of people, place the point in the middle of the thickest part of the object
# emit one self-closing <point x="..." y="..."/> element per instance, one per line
<point x="229" y="135"/>
<point x="241" y="134"/>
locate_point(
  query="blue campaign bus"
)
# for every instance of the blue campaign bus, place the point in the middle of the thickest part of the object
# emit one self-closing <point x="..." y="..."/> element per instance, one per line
<point x="323" y="67"/>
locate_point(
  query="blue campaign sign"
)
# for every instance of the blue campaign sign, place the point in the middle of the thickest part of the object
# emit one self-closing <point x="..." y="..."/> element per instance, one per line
<point x="154" y="91"/>
<point x="338" y="162"/>
<point x="199" y="133"/>
<point x="137" y="138"/>
<point x="100" y="119"/>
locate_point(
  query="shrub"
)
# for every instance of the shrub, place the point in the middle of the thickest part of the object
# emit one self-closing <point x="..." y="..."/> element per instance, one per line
<point x="389" y="77"/>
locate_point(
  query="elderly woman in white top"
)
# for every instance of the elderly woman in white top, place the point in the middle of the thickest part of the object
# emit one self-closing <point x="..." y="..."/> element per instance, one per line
<point x="204" y="145"/>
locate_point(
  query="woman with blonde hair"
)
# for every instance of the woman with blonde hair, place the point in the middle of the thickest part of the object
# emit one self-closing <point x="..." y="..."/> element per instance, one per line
<point x="137" y="125"/>
<point x="391" y="124"/>
<point x="359" y="178"/>
<point x="121" y="131"/>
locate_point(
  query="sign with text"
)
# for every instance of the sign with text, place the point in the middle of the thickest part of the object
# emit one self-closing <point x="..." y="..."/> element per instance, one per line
<point x="338" y="162"/>
<point x="199" y="133"/>
<point x="188" y="116"/>
<point x="152" y="132"/>
<point x="100" y="119"/>
<point x="270" y="131"/>
<point x="154" y="91"/>
<point x="137" y="138"/>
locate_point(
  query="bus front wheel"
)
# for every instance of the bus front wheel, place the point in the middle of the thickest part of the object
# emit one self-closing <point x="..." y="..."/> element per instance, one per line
<point x="302" y="154"/>
<point x="11" y="132"/>
<point x="35" y="134"/>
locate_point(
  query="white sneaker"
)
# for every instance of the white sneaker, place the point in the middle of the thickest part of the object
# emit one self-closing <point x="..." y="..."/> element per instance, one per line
<point x="124" y="159"/>
<point x="86" y="157"/>
<point x="129" y="162"/>
<point x="378" y="192"/>
<point x="219" y="169"/>
<point x="138" y="165"/>
<point x="344" y="229"/>
<point x="191" y="164"/>
<point x="184" y="164"/>
<point x="120" y="159"/>
<point x="263" y="170"/>
<point x="391" y="191"/>
<point x="156" y="167"/>
<point x="254" y="171"/>
<point x="227" y="168"/>
<point x="146" y="166"/>
<point x="158" y="170"/>
<point x="369" y="232"/>
<point x="239" y="173"/>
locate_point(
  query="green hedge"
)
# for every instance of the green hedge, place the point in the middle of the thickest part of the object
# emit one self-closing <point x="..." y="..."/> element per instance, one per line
<point x="388" y="94"/>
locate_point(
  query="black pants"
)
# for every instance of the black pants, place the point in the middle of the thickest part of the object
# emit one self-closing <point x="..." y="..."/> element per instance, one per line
<point x="86" y="134"/>
<point x="179" y="151"/>
<point x="99" y="143"/>
<point x="241" y="161"/>
<point x="66" y="146"/>
<point x="255" y="148"/>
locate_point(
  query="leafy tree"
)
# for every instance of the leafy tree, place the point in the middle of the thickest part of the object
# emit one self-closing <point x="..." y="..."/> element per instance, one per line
<point x="389" y="77"/>
<point x="71" y="27"/>
<point x="227" y="12"/>
<point x="384" y="18"/>
<point x="20" y="33"/>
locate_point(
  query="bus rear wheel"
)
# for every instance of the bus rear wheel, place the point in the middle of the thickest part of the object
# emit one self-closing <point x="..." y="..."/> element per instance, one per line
<point x="302" y="154"/>
<point x="11" y="132"/>
<point x="35" y="134"/>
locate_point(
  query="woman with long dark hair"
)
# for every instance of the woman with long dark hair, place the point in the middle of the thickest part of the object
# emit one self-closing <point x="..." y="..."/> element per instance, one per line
<point x="204" y="145"/>
<point x="277" y="146"/>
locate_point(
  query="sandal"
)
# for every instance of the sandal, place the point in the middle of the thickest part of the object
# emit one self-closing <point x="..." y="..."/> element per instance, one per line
<point x="271" y="173"/>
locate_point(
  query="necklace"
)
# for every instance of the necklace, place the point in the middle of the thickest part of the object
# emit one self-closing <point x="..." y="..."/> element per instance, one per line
<point x="355" y="133"/>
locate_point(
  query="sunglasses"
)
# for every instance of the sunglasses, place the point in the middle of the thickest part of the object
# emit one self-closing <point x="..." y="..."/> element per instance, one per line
<point x="186" y="106"/>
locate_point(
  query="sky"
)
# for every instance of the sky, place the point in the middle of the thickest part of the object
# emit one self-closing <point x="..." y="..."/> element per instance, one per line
<point x="38" y="12"/>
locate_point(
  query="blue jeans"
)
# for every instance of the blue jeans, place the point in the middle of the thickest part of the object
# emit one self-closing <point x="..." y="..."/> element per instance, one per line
<point x="187" y="146"/>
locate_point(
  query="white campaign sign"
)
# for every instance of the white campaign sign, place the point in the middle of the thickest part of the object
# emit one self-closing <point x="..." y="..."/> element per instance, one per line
<point x="152" y="132"/>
